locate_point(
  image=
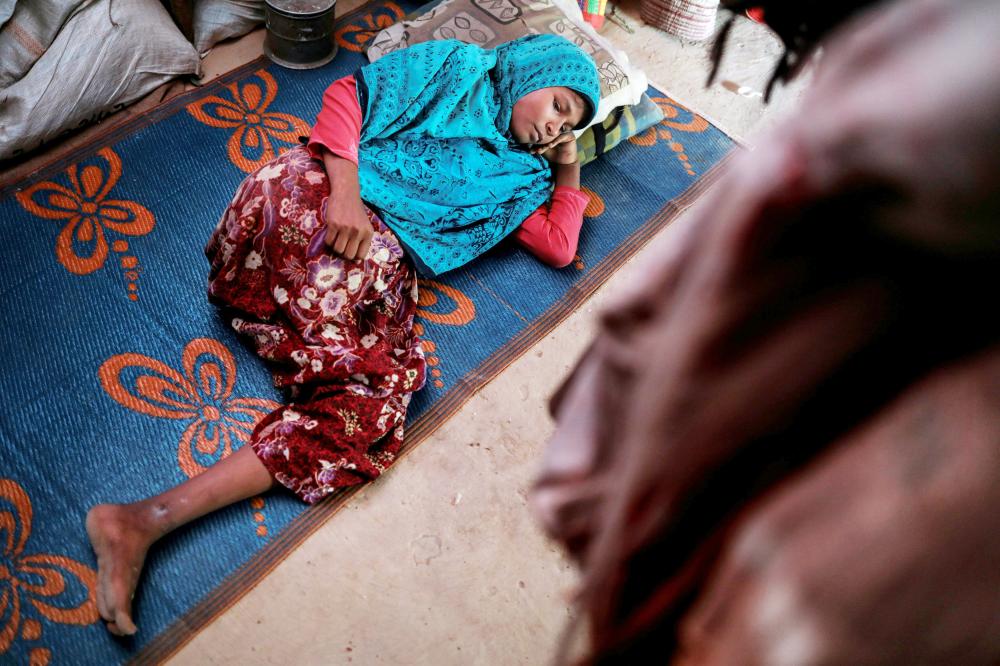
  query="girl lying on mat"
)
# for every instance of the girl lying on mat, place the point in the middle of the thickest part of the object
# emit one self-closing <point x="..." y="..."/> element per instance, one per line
<point x="421" y="161"/>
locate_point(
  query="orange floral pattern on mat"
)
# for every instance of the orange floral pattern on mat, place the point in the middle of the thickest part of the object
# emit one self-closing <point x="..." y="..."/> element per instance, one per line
<point x="200" y="394"/>
<point x="35" y="578"/>
<point x="252" y="144"/>
<point x="355" y="35"/>
<point x="463" y="312"/>
<point x="595" y="207"/>
<point x="90" y="212"/>
<point x="677" y="117"/>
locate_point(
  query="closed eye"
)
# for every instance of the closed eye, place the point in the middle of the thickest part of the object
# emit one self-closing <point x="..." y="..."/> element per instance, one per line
<point x="565" y="128"/>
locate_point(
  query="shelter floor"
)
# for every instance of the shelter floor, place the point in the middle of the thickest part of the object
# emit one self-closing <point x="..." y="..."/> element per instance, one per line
<point x="440" y="561"/>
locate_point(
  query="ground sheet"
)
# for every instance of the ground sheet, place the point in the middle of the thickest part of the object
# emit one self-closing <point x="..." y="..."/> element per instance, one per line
<point x="120" y="380"/>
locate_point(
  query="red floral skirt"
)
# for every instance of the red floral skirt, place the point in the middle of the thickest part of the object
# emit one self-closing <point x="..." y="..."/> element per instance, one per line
<point x="337" y="334"/>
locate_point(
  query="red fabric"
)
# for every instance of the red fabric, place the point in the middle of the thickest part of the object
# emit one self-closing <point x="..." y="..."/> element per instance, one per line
<point x="550" y="233"/>
<point x="337" y="334"/>
<point x="338" y="124"/>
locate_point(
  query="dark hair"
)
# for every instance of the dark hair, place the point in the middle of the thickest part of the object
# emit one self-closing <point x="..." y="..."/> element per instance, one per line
<point x="800" y="24"/>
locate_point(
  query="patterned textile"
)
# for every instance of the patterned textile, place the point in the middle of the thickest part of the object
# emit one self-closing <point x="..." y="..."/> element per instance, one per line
<point x="436" y="156"/>
<point x="337" y="334"/>
<point x="532" y="62"/>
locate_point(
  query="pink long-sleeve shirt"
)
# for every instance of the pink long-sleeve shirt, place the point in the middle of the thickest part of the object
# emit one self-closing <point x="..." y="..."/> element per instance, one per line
<point x="550" y="233"/>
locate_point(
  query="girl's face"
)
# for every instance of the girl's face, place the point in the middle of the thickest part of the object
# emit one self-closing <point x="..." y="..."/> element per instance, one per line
<point x="542" y="115"/>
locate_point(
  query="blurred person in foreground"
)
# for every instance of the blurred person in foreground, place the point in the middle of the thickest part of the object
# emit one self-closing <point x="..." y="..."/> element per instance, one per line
<point x="783" y="446"/>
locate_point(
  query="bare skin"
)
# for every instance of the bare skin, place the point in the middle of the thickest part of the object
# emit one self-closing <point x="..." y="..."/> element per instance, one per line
<point x="121" y="534"/>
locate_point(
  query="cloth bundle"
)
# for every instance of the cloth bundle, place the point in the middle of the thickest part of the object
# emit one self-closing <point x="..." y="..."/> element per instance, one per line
<point x="783" y="439"/>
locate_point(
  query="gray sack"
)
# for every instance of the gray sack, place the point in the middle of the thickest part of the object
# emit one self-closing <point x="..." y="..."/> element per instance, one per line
<point x="108" y="54"/>
<point x="30" y="29"/>
<point x="215" y="20"/>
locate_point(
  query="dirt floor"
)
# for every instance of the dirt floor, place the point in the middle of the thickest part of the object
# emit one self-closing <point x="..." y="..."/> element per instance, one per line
<point x="440" y="562"/>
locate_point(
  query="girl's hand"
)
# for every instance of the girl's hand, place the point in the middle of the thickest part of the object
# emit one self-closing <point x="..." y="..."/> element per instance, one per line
<point x="348" y="230"/>
<point x="561" y="150"/>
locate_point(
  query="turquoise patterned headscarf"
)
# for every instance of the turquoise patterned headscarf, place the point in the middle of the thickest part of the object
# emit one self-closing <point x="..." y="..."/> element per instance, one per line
<point x="437" y="158"/>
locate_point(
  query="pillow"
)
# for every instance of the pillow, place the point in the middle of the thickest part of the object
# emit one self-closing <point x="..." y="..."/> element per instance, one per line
<point x="215" y="20"/>
<point x="624" y="122"/>
<point x="108" y="55"/>
<point x="27" y="32"/>
<point x="6" y="9"/>
<point x="488" y="23"/>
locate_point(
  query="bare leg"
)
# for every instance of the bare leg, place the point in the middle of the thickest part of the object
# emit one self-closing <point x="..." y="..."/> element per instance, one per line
<point x="122" y="533"/>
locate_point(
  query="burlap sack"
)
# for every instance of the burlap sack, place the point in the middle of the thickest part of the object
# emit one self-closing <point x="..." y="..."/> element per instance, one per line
<point x="108" y="55"/>
<point x="31" y="27"/>
<point x="215" y="20"/>
<point x="6" y="9"/>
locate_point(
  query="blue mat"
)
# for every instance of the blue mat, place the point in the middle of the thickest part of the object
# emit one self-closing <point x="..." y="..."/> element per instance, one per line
<point x="121" y="380"/>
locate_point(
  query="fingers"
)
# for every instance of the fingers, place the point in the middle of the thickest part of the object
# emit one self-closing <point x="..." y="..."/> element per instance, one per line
<point x="352" y="243"/>
<point x="344" y="236"/>
<point x="351" y="251"/>
<point x="545" y="147"/>
<point x="364" y="245"/>
<point x="357" y="247"/>
<point x="540" y="148"/>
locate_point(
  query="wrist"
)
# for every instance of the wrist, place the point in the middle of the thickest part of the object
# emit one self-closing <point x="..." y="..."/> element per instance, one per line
<point x="343" y="175"/>
<point x="568" y="174"/>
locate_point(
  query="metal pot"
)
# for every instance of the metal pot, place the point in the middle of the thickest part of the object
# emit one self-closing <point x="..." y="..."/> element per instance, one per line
<point x="300" y="32"/>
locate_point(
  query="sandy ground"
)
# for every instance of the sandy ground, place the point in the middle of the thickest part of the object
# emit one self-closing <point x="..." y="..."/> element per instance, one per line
<point x="440" y="561"/>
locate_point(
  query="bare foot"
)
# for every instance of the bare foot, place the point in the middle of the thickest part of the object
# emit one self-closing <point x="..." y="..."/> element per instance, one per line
<point x="120" y="537"/>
